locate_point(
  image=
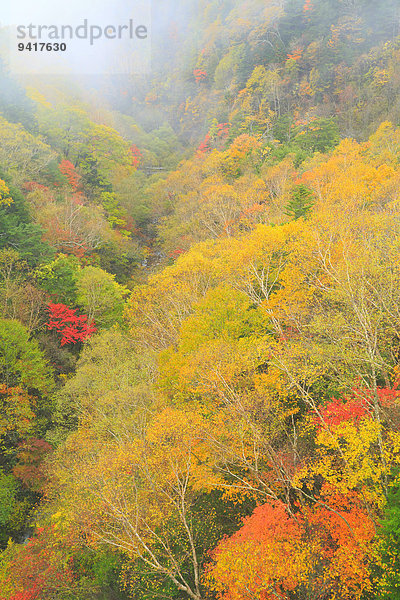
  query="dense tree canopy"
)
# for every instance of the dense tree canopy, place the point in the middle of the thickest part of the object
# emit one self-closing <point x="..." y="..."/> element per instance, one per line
<point x="199" y="314"/>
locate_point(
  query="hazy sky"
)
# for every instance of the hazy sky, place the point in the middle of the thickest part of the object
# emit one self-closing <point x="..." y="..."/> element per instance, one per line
<point x="20" y="11"/>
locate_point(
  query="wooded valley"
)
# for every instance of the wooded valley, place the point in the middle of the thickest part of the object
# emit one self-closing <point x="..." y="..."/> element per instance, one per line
<point x="200" y="313"/>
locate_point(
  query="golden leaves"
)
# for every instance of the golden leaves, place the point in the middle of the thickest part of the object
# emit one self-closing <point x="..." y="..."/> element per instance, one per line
<point x="5" y="196"/>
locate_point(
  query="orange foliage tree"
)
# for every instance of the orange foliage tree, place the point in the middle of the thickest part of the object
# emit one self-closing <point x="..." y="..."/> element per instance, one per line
<point x="318" y="550"/>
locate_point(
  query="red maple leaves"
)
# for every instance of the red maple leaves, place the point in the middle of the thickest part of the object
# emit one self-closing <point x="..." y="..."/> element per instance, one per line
<point x="39" y="569"/>
<point x="223" y="130"/>
<point x="220" y="132"/>
<point x="32" y="186"/>
<point x="74" y="179"/>
<point x="136" y="156"/>
<point x="356" y="406"/>
<point x="73" y="328"/>
<point x="296" y="55"/>
<point x="308" y="5"/>
<point x="205" y="145"/>
<point x="353" y="408"/>
<point x="68" y="170"/>
<point x="200" y="75"/>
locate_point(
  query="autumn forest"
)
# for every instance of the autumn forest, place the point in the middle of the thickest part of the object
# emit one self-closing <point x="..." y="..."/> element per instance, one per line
<point x="200" y="313"/>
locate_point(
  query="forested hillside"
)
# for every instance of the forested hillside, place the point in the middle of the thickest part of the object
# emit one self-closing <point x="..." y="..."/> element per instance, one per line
<point x="200" y="313"/>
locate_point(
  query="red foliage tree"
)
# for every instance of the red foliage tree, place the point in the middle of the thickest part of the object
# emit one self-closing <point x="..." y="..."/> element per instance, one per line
<point x="200" y="75"/>
<point x="223" y="130"/>
<point x="31" y="186"/>
<point x="74" y="179"/>
<point x="176" y="253"/>
<point x="205" y="145"/>
<point x="68" y="170"/>
<point x="217" y="133"/>
<point x="73" y="328"/>
<point x="38" y="569"/>
<point x="350" y="408"/>
<point x="308" y="5"/>
<point x="296" y="55"/>
<point x="355" y="407"/>
<point x="136" y="156"/>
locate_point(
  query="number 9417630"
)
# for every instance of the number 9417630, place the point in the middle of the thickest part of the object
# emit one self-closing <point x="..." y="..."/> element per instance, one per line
<point x="42" y="47"/>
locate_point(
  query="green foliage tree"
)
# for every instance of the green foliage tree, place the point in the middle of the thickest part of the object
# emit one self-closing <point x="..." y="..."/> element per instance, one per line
<point x="21" y="360"/>
<point x="388" y="560"/>
<point x="59" y="278"/>
<point x="300" y="203"/>
<point x="100" y="296"/>
<point x="18" y="231"/>
<point x="8" y="490"/>
<point x="23" y="155"/>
